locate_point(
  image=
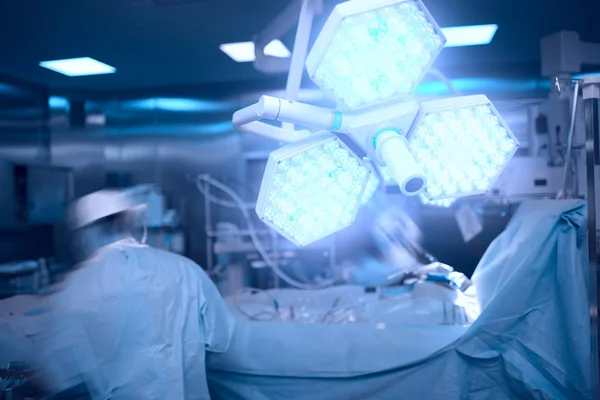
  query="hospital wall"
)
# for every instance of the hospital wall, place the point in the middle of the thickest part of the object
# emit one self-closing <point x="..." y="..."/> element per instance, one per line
<point x="23" y="139"/>
<point x="131" y="148"/>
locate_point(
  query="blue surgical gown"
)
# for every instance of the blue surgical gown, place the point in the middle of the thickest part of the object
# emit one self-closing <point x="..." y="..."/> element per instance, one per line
<point x="135" y="323"/>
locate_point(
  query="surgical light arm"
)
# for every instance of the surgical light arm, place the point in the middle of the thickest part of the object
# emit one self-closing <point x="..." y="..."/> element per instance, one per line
<point x="388" y="146"/>
<point x="298" y="12"/>
<point x="249" y="120"/>
<point x="275" y="109"/>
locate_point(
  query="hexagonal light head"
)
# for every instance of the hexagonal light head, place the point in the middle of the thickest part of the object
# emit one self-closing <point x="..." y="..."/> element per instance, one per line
<point x="462" y="144"/>
<point x="372" y="185"/>
<point x="373" y="51"/>
<point x="312" y="188"/>
<point x="441" y="203"/>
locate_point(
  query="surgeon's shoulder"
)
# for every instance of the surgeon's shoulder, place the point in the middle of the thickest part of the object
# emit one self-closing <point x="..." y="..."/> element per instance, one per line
<point x="176" y="260"/>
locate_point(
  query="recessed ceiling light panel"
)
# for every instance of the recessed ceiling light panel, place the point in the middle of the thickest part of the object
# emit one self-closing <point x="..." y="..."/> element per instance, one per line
<point x="473" y="35"/>
<point x="244" y="51"/>
<point x="82" y="66"/>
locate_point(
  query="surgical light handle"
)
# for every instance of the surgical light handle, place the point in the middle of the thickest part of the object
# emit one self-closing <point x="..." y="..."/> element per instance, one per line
<point x="392" y="148"/>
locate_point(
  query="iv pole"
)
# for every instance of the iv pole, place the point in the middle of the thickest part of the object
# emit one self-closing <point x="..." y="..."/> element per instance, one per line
<point x="591" y="96"/>
<point x="564" y="53"/>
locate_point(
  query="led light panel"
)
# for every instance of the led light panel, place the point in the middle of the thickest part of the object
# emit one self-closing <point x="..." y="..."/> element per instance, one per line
<point x="441" y="203"/>
<point x="312" y="188"/>
<point x="372" y="185"/>
<point x="373" y="51"/>
<point x="462" y="144"/>
<point x="79" y="67"/>
<point x="244" y="51"/>
<point x="472" y="35"/>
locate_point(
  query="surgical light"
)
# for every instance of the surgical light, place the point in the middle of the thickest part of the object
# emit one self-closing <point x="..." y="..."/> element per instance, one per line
<point x="312" y="188"/>
<point x="370" y="52"/>
<point x="386" y="175"/>
<point x="372" y="185"/>
<point x="441" y="203"/>
<point x="391" y="147"/>
<point x="79" y="67"/>
<point x="245" y="52"/>
<point x="462" y="145"/>
<point x="369" y="56"/>
<point x="473" y="35"/>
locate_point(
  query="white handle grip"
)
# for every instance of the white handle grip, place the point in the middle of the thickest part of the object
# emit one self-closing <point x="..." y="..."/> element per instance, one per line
<point x="392" y="149"/>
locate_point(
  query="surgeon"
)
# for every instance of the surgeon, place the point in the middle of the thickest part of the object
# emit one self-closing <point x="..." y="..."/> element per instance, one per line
<point x="395" y="250"/>
<point x="132" y="322"/>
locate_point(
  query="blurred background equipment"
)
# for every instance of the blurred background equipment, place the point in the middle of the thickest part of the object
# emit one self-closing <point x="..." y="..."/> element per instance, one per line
<point x="228" y="240"/>
<point x="25" y="277"/>
<point x="160" y="225"/>
<point x="42" y="193"/>
<point x="17" y="383"/>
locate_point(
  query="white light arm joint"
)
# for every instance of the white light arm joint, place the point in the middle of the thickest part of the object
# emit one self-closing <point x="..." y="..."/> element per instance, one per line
<point x="275" y="109"/>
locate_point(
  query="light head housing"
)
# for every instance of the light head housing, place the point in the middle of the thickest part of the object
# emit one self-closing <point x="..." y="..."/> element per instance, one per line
<point x="462" y="145"/>
<point x="312" y="188"/>
<point x="374" y="51"/>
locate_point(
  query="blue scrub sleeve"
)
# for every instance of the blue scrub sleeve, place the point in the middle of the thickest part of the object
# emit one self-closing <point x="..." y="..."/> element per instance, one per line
<point x="216" y="319"/>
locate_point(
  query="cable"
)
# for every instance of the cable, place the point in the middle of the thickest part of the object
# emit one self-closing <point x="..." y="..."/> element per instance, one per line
<point x="214" y="199"/>
<point x="332" y="309"/>
<point x="439" y="75"/>
<point x="259" y="247"/>
<point x="255" y="317"/>
<point x="334" y="315"/>
<point x="561" y="194"/>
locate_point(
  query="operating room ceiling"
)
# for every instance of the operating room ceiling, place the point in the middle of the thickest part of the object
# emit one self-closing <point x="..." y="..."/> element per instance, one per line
<point x="161" y="46"/>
